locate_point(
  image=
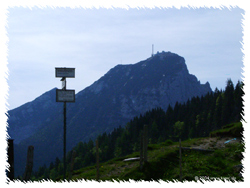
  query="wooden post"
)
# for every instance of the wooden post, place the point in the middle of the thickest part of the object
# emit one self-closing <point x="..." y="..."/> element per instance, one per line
<point x="10" y="173"/>
<point x="144" y="146"/>
<point x="180" y="159"/>
<point x="97" y="161"/>
<point x="72" y="164"/>
<point x="145" y="143"/>
<point x="29" y="164"/>
<point x="141" y="150"/>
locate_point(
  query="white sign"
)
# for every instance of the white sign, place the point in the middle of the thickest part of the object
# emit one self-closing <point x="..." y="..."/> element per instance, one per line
<point x="65" y="72"/>
<point x="65" y="95"/>
<point x="64" y="84"/>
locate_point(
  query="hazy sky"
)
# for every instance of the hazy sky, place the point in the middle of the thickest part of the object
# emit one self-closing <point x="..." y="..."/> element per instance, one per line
<point x="95" y="40"/>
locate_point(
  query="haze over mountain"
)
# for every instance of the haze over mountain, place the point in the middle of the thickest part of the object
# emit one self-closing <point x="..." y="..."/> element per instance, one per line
<point x="122" y="93"/>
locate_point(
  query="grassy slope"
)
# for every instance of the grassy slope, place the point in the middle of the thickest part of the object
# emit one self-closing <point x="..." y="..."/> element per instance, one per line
<point x="163" y="161"/>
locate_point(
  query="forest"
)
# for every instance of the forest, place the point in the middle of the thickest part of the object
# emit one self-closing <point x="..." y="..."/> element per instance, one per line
<point x="195" y="118"/>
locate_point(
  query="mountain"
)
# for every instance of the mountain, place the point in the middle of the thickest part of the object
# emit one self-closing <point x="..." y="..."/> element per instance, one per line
<point x="130" y="90"/>
<point x="31" y="117"/>
<point x="122" y="93"/>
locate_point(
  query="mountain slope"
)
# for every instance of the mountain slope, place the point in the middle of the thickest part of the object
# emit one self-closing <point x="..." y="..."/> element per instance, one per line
<point x="122" y="93"/>
<point x="127" y="91"/>
<point x="31" y="117"/>
<point x="163" y="163"/>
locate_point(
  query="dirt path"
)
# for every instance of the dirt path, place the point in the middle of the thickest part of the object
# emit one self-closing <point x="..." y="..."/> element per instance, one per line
<point x="214" y="143"/>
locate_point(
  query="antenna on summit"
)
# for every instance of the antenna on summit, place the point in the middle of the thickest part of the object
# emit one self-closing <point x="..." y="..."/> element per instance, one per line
<point x="152" y="50"/>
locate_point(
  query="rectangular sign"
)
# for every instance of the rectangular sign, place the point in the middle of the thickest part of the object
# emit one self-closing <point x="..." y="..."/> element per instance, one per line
<point x="65" y="95"/>
<point x="65" y="72"/>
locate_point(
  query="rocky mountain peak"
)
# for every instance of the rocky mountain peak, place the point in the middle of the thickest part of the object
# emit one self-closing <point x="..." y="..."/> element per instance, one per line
<point x="133" y="89"/>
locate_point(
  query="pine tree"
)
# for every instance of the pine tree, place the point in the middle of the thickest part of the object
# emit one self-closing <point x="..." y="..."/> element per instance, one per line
<point x="154" y="132"/>
<point x="238" y="94"/>
<point x="217" y="114"/>
<point x="57" y="162"/>
<point x="228" y="103"/>
<point x="51" y="166"/>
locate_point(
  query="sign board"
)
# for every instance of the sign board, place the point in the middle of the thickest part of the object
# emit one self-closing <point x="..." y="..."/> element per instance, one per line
<point x="65" y="72"/>
<point x="65" y="95"/>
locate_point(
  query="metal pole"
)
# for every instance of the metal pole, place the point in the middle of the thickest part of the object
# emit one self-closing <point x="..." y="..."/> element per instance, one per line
<point x="64" y="137"/>
<point x="64" y="142"/>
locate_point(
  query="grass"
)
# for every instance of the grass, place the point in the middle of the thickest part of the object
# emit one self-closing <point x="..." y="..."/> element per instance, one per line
<point x="163" y="164"/>
<point x="163" y="161"/>
<point x="218" y="164"/>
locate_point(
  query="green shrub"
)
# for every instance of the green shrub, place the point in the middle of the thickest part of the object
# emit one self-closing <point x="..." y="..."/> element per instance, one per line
<point x="232" y="130"/>
<point x="153" y="147"/>
<point x="168" y="142"/>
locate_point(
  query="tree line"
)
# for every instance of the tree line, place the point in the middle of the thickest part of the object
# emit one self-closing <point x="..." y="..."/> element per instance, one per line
<point x="197" y="117"/>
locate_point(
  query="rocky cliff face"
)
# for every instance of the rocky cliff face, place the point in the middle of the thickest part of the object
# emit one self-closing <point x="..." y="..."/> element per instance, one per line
<point x="122" y="93"/>
<point x="127" y="91"/>
<point x="156" y="82"/>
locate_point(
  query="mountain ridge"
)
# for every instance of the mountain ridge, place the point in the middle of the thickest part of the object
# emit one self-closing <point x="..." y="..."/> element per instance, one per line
<point x="21" y="124"/>
<point x="124" y="92"/>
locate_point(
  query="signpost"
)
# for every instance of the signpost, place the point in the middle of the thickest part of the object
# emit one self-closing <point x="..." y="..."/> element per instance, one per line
<point x="64" y="95"/>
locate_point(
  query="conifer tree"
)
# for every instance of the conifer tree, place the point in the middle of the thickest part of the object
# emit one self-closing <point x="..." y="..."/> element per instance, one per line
<point x="217" y="114"/>
<point x="238" y="94"/>
<point x="228" y="103"/>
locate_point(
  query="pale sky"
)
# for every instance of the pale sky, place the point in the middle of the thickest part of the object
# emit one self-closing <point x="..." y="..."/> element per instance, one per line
<point x="95" y="40"/>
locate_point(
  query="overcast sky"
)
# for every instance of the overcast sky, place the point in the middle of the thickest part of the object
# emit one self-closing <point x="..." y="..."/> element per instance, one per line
<point x="95" y="40"/>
